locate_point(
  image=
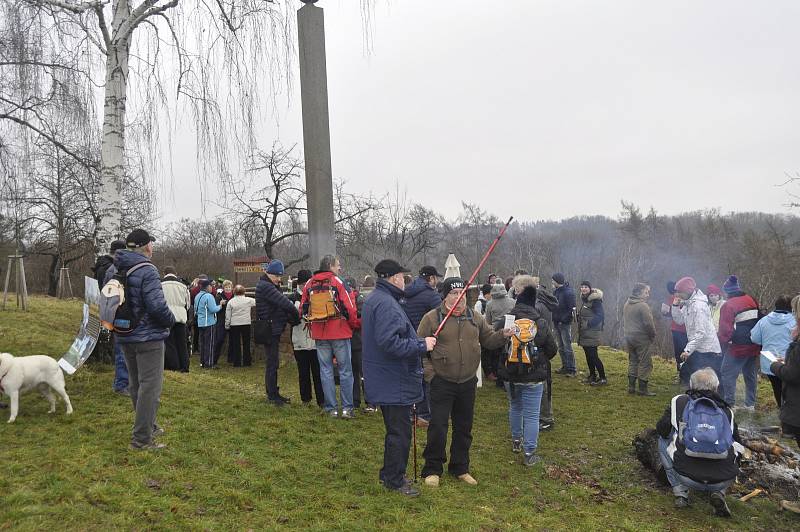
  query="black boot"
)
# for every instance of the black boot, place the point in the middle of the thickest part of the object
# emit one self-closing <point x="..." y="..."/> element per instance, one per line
<point x="643" y="389"/>
<point x="631" y="384"/>
<point x="590" y="379"/>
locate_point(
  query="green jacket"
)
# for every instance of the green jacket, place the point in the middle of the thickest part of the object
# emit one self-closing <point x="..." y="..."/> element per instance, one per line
<point x="458" y="347"/>
<point x="590" y="318"/>
<point x="637" y="320"/>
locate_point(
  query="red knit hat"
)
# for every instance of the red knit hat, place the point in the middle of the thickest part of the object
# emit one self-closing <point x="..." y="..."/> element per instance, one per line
<point x="713" y="289"/>
<point x="686" y="285"/>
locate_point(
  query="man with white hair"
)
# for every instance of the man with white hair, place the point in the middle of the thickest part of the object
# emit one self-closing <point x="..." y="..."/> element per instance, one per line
<point x="697" y="434"/>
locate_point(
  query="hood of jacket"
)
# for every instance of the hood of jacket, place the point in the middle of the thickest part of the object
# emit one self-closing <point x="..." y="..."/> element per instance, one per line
<point x="125" y="259"/>
<point x="632" y="300"/>
<point x="419" y="285"/>
<point x="499" y="291"/>
<point x="595" y="294"/>
<point x="779" y="318"/>
<point x="525" y="310"/>
<point x="698" y="297"/>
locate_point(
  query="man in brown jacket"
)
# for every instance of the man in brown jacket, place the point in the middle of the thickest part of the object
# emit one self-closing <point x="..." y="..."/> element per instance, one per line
<point x="451" y="371"/>
<point x="640" y="331"/>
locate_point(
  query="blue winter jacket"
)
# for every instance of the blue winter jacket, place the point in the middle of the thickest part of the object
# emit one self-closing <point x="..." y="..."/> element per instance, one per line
<point x="144" y="293"/>
<point x="566" y="302"/>
<point x="773" y="333"/>
<point x="420" y="298"/>
<point x="275" y="307"/>
<point x="206" y="308"/>
<point x="392" y="354"/>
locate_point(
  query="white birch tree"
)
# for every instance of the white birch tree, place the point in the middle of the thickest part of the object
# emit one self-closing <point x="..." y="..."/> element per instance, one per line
<point x="157" y="60"/>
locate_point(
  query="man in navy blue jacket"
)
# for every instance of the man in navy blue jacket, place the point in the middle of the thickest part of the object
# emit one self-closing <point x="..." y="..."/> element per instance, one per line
<point x="144" y="347"/>
<point x="392" y="369"/>
<point x="420" y="298"/>
<point x="277" y="309"/>
<point x="562" y="321"/>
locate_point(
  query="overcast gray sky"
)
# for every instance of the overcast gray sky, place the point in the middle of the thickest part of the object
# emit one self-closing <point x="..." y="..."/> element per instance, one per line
<point x="549" y="109"/>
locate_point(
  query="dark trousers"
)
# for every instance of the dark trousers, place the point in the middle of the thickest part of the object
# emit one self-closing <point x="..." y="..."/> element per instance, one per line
<point x="239" y="345"/>
<point x="219" y="337"/>
<point x="271" y="371"/>
<point x="489" y="358"/>
<point x="355" y="363"/>
<point x="207" y="346"/>
<point x="777" y="391"/>
<point x="501" y="362"/>
<point x="450" y="400"/>
<point x="397" y="420"/>
<point x="176" y="353"/>
<point x="594" y="362"/>
<point x="308" y="372"/>
<point x="679" y="341"/>
<point x="195" y="336"/>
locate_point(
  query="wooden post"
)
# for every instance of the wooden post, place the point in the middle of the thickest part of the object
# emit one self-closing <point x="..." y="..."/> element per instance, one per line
<point x="64" y="284"/>
<point x="20" y="283"/>
<point x="8" y="277"/>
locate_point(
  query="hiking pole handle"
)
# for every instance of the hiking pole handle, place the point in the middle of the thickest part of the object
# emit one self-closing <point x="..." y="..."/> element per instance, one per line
<point x="472" y="277"/>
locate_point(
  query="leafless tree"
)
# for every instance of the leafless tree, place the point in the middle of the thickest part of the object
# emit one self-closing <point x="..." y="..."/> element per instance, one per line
<point x="150" y="57"/>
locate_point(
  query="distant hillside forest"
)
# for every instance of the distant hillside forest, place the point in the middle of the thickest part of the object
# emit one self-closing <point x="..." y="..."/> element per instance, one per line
<point x="762" y="249"/>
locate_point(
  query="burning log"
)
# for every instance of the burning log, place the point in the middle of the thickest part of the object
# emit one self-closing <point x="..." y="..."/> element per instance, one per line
<point x="774" y="449"/>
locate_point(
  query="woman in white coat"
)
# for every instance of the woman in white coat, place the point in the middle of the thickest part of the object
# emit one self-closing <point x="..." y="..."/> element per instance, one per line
<point x="237" y="323"/>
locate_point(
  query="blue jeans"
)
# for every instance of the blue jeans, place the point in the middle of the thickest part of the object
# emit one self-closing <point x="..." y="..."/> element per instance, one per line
<point x="120" y="368"/>
<point x="326" y="350"/>
<point x="731" y="367"/>
<point x="524" y="401"/>
<point x="681" y="484"/>
<point x="698" y="361"/>
<point x="564" y="337"/>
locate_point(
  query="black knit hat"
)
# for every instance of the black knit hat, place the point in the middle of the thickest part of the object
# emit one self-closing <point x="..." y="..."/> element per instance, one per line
<point x="303" y="276"/>
<point x="559" y="278"/>
<point x="452" y="283"/>
<point x="586" y="283"/>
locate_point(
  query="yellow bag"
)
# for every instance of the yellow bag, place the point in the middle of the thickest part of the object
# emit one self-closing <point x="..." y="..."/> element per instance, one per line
<point x="518" y="350"/>
<point x="322" y="302"/>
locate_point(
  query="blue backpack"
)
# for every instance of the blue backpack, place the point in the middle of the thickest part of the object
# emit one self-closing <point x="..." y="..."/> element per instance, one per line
<point x="706" y="432"/>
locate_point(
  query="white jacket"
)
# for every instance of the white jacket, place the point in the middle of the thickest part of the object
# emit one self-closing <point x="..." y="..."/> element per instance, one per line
<point x="238" y="311"/>
<point x="301" y="335"/>
<point x="695" y="314"/>
<point x="177" y="295"/>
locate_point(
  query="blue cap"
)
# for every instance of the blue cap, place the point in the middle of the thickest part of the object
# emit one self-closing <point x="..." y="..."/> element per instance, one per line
<point x="275" y="267"/>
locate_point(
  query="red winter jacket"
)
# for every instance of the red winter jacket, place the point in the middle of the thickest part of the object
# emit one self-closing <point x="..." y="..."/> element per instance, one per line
<point x="744" y="308"/>
<point x="336" y="328"/>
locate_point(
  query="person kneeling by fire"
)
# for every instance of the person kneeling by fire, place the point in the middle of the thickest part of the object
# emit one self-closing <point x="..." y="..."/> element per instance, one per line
<point x="696" y="442"/>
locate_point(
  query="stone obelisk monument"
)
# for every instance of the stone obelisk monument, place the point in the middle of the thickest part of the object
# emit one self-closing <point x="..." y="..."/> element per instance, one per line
<point x="316" y="131"/>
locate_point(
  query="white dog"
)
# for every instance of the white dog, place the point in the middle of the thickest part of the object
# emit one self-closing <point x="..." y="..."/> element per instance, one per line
<point x="20" y="374"/>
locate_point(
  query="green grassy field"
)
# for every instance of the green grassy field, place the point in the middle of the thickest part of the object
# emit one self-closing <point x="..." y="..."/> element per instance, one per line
<point x="235" y="463"/>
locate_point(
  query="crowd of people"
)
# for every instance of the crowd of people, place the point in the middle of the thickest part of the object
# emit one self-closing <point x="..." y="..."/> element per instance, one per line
<point x="413" y="348"/>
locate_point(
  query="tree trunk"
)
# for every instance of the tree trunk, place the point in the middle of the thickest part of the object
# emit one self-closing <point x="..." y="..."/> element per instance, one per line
<point x="112" y="156"/>
<point x="52" y="281"/>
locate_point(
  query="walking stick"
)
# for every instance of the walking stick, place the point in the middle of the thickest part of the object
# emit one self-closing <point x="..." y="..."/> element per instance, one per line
<point x="414" y="433"/>
<point x="473" y="276"/>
